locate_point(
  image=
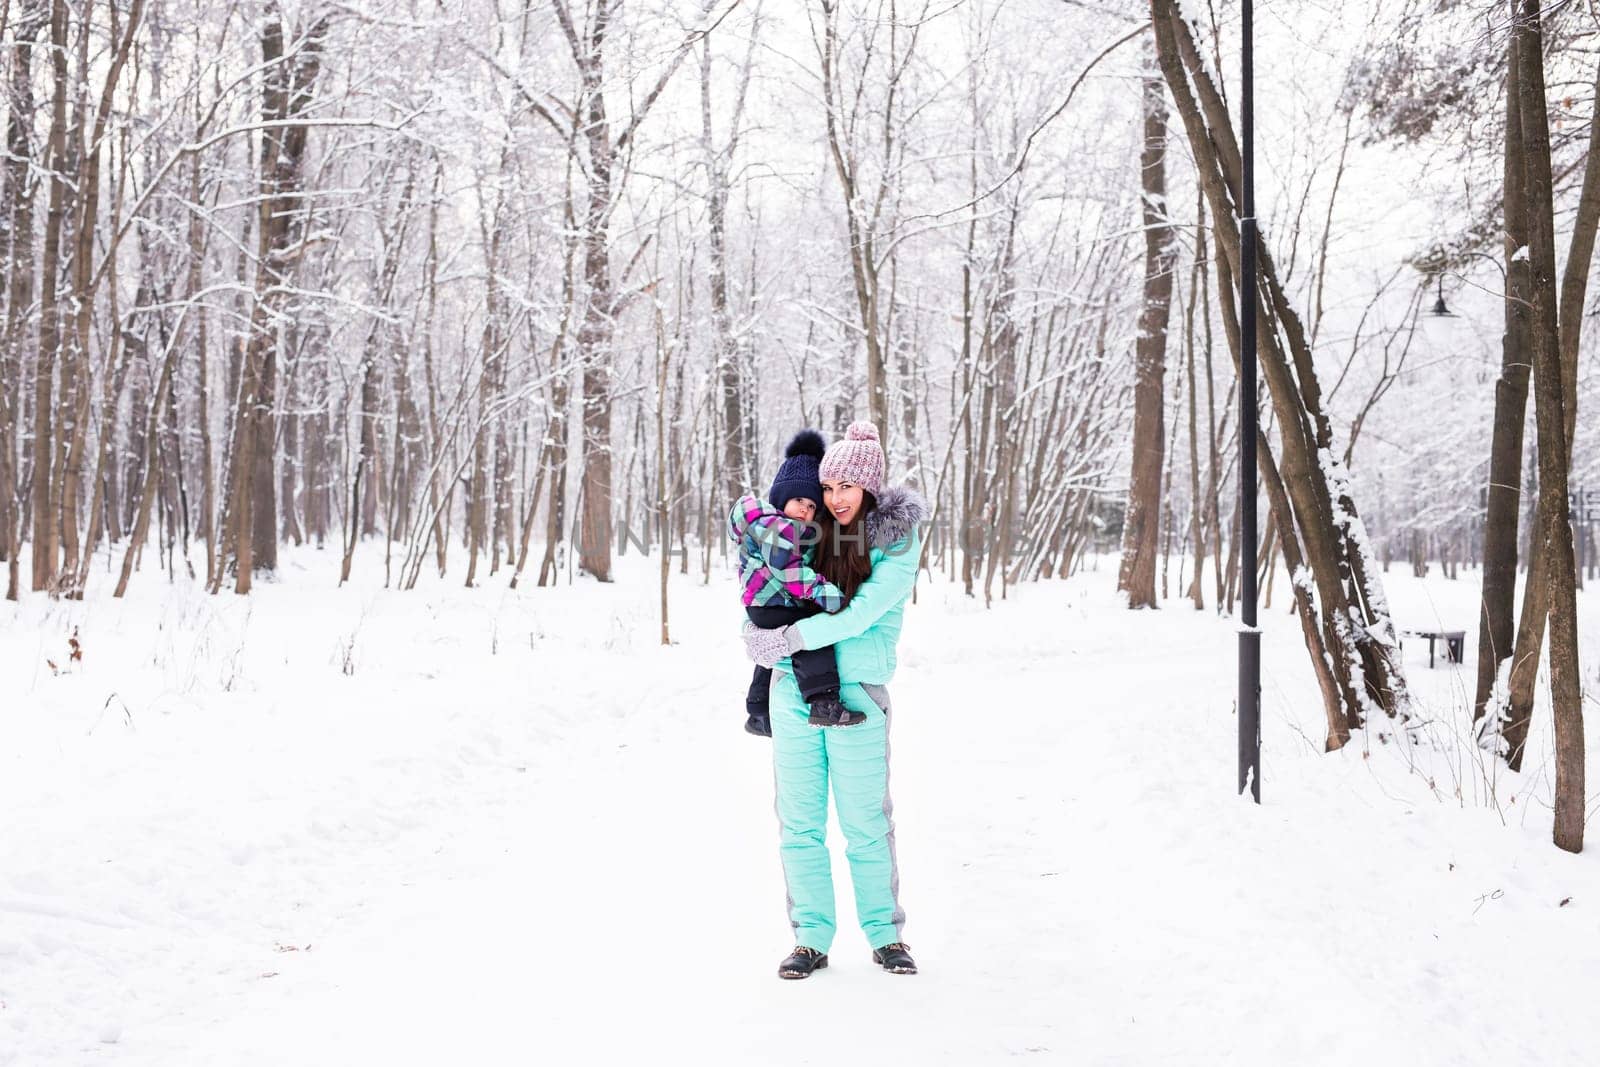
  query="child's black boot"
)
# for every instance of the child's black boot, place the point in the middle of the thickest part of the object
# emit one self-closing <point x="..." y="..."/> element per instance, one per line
<point x="830" y="711"/>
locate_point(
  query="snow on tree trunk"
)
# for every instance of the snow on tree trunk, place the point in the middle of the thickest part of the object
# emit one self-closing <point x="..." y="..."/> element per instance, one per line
<point x="1496" y="629"/>
<point x="252" y="531"/>
<point x="1353" y="614"/>
<point x="1553" y="592"/>
<point x="1140" y="545"/>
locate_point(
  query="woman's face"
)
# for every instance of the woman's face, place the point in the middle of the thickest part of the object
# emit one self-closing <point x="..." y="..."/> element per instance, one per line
<point x="841" y="498"/>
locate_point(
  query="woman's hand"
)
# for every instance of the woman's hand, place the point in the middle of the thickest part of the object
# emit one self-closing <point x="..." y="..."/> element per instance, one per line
<point x="766" y="647"/>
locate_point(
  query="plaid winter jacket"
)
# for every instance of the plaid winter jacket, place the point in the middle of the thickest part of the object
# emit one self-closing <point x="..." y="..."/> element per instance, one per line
<point x="773" y="567"/>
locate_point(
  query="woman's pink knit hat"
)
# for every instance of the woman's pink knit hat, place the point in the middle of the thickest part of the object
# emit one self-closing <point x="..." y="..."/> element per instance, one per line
<point x="858" y="458"/>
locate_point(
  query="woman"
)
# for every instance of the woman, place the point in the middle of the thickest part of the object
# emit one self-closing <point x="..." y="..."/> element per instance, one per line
<point x="870" y="551"/>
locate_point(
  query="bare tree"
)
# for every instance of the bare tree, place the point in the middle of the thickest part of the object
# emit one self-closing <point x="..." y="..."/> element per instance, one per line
<point x="1496" y="630"/>
<point x="1316" y="508"/>
<point x="1555" y="324"/>
<point x="18" y="246"/>
<point x="732" y="350"/>
<point x="867" y="192"/>
<point x="1137" y="577"/>
<point x="290" y="78"/>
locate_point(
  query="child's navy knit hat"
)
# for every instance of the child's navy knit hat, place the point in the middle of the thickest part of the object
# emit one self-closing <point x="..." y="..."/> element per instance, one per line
<point x="798" y="474"/>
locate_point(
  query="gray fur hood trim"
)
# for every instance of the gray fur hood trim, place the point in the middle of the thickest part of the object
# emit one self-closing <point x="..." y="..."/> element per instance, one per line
<point x="899" y="511"/>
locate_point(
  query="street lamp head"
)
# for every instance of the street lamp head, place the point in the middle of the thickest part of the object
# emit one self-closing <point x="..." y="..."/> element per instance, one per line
<point x="1440" y="310"/>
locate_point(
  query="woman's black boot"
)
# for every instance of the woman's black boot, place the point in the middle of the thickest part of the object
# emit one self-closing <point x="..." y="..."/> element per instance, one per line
<point x="895" y="958"/>
<point x="801" y="962"/>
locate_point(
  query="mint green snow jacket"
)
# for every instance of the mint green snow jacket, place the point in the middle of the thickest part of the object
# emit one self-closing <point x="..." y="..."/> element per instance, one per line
<point x="865" y="633"/>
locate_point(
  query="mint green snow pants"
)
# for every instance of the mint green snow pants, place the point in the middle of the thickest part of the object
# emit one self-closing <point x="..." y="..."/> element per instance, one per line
<point x="855" y="759"/>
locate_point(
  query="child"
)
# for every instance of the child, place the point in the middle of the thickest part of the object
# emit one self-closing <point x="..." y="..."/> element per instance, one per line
<point x="779" y="586"/>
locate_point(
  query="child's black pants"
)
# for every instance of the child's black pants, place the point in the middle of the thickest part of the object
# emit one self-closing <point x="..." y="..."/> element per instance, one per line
<point x="816" y="670"/>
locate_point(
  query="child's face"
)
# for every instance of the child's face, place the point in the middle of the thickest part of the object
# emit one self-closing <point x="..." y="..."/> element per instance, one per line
<point x="800" y="509"/>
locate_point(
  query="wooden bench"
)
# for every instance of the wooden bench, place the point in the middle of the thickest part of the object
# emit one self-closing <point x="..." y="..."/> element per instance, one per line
<point x="1455" y="642"/>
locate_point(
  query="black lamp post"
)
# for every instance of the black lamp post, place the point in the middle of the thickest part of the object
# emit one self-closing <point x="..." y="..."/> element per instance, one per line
<point x="1249" y="635"/>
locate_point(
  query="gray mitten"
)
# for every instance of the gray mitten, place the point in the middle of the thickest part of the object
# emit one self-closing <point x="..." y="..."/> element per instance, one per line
<point x="766" y="647"/>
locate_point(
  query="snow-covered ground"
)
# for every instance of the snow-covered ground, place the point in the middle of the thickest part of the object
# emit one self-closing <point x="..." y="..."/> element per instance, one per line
<point x="323" y="826"/>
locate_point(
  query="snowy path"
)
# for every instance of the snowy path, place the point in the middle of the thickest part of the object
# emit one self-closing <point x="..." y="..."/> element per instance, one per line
<point x="518" y="830"/>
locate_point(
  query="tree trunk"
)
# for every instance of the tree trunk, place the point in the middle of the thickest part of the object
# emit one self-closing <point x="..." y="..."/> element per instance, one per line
<point x="556" y="515"/>
<point x="18" y="249"/>
<point x="75" y="391"/>
<point x="554" y="452"/>
<point x="1554" y="407"/>
<point x="111" y="394"/>
<point x="367" y="451"/>
<point x="46" y="542"/>
<point x="146" y="494"/>
<point x="253" y="536"/>
<point x="1140" y="529"/>
<point x="595" y="330"/>
<point x="727" y="348"/>
<point x="364" y="507"/>
<point x="862" y="208"/>
<point x="481" y="488"/>
<point x="1496" y="628"/>
<point x="1196" y="508"/>
<point x="1213" y="431"/>
<point x="663" y="359"/>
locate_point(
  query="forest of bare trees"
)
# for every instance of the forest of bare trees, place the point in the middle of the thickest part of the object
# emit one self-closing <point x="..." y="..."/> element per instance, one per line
<point x="494" y="289"/>
<point x="284" y="273"/>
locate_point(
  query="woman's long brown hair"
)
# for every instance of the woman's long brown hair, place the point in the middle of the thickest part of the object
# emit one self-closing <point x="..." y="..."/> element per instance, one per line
<point x="843" y="555"/>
